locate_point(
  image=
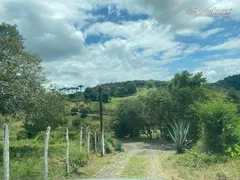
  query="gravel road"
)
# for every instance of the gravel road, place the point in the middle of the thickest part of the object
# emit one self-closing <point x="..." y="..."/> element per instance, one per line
<point x="152" y="149"/>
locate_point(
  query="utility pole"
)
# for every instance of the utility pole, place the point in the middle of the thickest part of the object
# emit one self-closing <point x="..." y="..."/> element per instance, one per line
<point x="101" y="122"/>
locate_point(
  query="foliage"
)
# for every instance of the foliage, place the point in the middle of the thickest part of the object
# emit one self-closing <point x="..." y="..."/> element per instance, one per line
<point x="179" y="135"/>
<point x="229" y="82"/>
<point x="74" y="111"/>
<point x="21" y="74"/>
<point x="234" y="151"/>
<point x="23" y="134"/>
<point x="84" y="112"/>
<point x="158" y="111"/>
<point x="49" y="110"/>
<point x="119" y="146"/>
<point x="76" y="123"/>
<point x="129" y="118"/>
<point x="219" y="121"/>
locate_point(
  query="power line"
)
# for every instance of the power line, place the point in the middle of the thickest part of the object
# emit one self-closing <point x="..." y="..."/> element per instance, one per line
<point x="137" y="34"/>
<point x="165" y="35"/>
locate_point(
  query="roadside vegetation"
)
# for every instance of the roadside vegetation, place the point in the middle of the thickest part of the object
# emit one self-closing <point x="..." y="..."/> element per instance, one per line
<point x="201" y="120"/>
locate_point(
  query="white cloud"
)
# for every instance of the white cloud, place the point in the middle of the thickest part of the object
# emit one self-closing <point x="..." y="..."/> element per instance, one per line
<point x="54" y="29"/>
<point x="219" y="69"/>
<point x="233" y="43"/>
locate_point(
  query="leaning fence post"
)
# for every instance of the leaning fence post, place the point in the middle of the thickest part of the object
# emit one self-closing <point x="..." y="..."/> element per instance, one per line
<point x="5" y="152"/>
<point x="67" y="152"/>
<point x="46" y="153"/>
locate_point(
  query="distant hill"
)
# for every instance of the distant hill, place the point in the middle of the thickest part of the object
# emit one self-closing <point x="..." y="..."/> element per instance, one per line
<point x="230" y="82"/>
<point x="117" y="89"/>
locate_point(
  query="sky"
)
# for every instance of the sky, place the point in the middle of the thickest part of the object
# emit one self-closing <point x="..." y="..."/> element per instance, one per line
<point x="91" y="42"/>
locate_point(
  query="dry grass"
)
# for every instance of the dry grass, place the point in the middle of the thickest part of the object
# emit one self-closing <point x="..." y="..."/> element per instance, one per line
<point x="173" y="170"/>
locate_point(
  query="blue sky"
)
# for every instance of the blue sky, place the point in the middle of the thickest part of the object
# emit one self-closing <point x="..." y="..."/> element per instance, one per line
<point x="92" y="42"/>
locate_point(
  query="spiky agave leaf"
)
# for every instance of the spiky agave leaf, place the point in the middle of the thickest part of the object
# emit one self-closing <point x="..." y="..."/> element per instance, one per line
<point x="179" y="134"/>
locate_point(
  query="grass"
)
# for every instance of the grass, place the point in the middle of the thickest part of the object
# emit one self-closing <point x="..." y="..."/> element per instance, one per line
<point x="184" y="166"/>
<point x="26" y="160"/>
<point x="95" y="164"/>
<point x="136" y="167"/>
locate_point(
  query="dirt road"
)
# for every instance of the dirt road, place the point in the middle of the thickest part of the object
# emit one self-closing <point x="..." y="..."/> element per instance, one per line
<point x="150" y="149"/>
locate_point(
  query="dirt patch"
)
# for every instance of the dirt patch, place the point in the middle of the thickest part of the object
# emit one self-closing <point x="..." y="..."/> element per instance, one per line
<point x="150" y="149"/>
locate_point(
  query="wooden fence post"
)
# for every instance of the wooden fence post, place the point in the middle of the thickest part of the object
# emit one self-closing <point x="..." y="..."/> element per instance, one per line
<point x="88" y="142"/>
<point x="67" y="152"/>
<point x="46" y="153"/>
<point x="81" y="131"/>
<point x="95" y="141"/>
<point x="5" y="152"/>
<point x="102" y="143"/>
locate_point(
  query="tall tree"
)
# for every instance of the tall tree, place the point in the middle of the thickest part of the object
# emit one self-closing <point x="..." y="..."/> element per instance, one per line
<point x="21" y="74"/>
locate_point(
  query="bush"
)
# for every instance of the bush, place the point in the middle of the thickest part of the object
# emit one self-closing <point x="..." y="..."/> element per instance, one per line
<point x="84" y="112"/>
<point x="234" y="151"/>
<point x="78" y="159"/>
<point x="219" y="121"/>
<point x="119" y="146"/>
<point x="110" y="143"/>
<point x="23" y="134"/>
<point x="57" y="136"/>
<point x="74" y="111"/>
<point x="194" y="159"/>
<point x="109" y="148"/>
<point x="76" y="123"/>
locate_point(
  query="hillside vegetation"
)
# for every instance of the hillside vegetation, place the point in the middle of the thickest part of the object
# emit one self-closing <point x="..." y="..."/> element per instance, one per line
<point x="200" y="121"/>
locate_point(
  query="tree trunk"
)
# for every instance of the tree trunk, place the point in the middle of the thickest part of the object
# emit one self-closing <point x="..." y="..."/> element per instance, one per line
<point x="102" y="143"/>
<point x="46" y="153"/>
<point x="81" y="139"/>
<point x="67" y="152"/>
<point x="5" y="152"/>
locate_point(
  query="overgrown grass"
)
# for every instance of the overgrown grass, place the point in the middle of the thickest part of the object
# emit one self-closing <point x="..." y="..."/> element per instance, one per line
<point x="26" y="159"/>
<point x="136" y="167"/>
<point x="189" y="166"/>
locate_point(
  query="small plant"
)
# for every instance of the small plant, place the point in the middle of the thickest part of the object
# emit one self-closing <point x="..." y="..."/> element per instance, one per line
<point x="119" y="146"/>
<point x="235" y="151"/>
<point x="179" y="135"/>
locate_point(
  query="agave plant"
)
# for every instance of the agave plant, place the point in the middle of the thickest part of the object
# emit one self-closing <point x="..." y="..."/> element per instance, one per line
<point x="179" y="135"/>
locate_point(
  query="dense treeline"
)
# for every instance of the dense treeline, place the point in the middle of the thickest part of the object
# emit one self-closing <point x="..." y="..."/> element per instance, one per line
<point x="231" y="82"/>
<point x="186" y="104"/>
<point x="120" y="89"/>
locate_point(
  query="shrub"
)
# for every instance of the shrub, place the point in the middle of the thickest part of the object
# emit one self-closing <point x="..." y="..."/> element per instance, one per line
<point x="76" y="123"/>
<point x="23" y="134"/>
<point x="234" y="151"/>
<point x="109" y="148"/>
<point x="57" y="136"/>
<point x="78" y="159"/>
<point x="219" y="121"/>
<point x="179" y="135"/>
<point x="84" y="112"/>
<point x="74" y="111"/>
<point x="110" y="143"/>
<point x="119" y="146"/>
